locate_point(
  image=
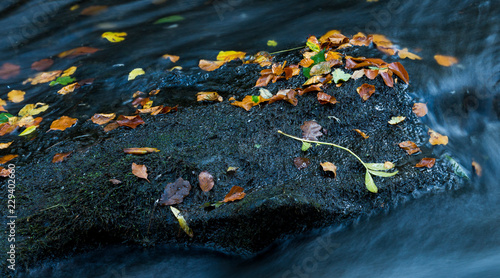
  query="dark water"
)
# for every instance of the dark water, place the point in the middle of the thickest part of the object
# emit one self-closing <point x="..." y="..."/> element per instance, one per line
<point x="453" y="234"/>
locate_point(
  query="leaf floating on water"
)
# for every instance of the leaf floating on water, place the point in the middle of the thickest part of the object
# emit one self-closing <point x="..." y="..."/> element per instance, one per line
<point x="83" y="50"/>
<point x="365" y="91"/>
<point x="174" y="193"/>
<point x="182" y="221"/>
<point x="69" y="88"/>
<point x="328" y="166"/>
<point x="59" y="157"/>
<point x="206" y="181"/>
<point x="227" y="56"/>
<point x="42" y="64"/>
<point x="272" y="43"/>
<point x="140" y="171"/>
<point x="236" y="193"/>
<point x="362" y="133"/>
<point x="209" y="96"/>
<point x="396" y="120"/>
<point x="33" y="109"/>
<point x="63" y="123"/>
<point x="311" y="130"/>
<point x="169" y="19"/>
<point x="130" y="121"/>
<point x="62" y="80"/>
<point x="140" y="150"/>
<point x="16" y="96"/>
<point x="436" y="138"/>
<point x="173" y="58"/>
<point x="409" y="147"/>
<point x="426" y="162"/>
<point x="419" y="109"/>
<point x="477" y="168"/>
<point x="101" y="119"/>
<point x="210" y="65"/>
<point x="6" y="158"/>
<point x="404" y="53"/>
<point x="94" y="10"/>
<point x="9" y="70"/>
<point x="114" y="36"/>
<point x="134" y="73"/>
<point x="301" y="162"/>
<point x="445" y="61"/>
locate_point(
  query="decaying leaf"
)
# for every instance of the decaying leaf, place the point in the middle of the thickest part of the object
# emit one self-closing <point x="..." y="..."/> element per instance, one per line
<point x="33" y="109"/>
<point x="114" y="36"/>
<point x="436" y="138"/>
<point x="396" y="120"/>
<point x="209" y="96"/>
<point x="93" y="10"/>
<point x="102" y="119"/>
<point x="365" y="91"/>
<point x="4" y="172"/>
<point x="175" y="192"/>
<point x="445" y="61"/>
<point x="210" y="65"/>
<point x="140" y="150"/>
<point x="69" y="88"/>
<point x="42" y="64"/>
<point x="301" y="162"/>
<point x="6" y="158"/>
<point x="130" y="121"/>
<point x="134" y="73"/>
<point x="426" y="162"/>
<point x="236" y="193"/>
<point x="328" y="166"/>
<point x="206" y="181"/>
<point x="227" y="56"/>
<point x="111" y="126"/>
<point x="362" y="133"/>
<point x="83" y="50"/>
<point x="477" y="168"/>
<point x="404" y="53"/>
<point x="63" y="123"/>
<point x="5" y="145"/>
<point x="339" y="75"/>
<point x="409" y="147"/>
<point x="140" y="171"/>
<point x="249" y="101"/>
<point x="16" y="96"/>
<point x="9" y="70"/>
<point x="182" y="221"/>
<point x="115" y="181"/>
<point x="311" y="130"/>
<point x="173" y="58"/>
<point x="59" y="157"/>
<point x="43" y="77"/>
<point x="324" y="98"/>
<point x="420" y="109"/>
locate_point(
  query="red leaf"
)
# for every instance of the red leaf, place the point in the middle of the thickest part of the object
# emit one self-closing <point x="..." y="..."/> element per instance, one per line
<point x="59" y="157"/>
<point x="400" y="71"/>
<point x="409" y="147"/>
<point x="42" y="64"/>
<point x="426" y="162"/>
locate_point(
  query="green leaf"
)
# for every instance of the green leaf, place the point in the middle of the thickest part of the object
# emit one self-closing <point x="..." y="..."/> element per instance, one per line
<point x="370" y="184"/>
<point x="457" y="169"/>
<point x="305" y="72"/>
<point x="375" y="166"/>
<point x="305" y="146"/>
<point x="272" y="43"/>
<point x="383" y="174"/>
<point x="218" y="204"/>
<point x="339" y="74"/>
<point x="4" y="117"/>
<point x="169" y="19"/>
<point x="257" y="146"/>
<point x="318" y="58"/>
<point x="64" y="80"/>
<point x="255" y="99"/>
<point x="312" y="46"/>
<point x="28" y="130"/>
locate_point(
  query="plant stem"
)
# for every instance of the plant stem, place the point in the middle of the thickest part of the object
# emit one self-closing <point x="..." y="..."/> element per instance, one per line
<point x="281" y="51"/>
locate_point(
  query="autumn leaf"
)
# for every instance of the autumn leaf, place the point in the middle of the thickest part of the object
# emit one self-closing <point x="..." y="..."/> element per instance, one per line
<point x="62" y="80"/>
<point x="182" y="221"/>
<point x="5" y="145"/>
<point x="236" y="193"/>
<point x="140" y="150"/>
<point x="227" y="56"/>
<point x="313" y="44"/>
<point x="445" y="61"/>
<point x="409" y="147"/>
<point x="4" y="172"/>
<point x="320" y="69"/>
<point x="59" y="157"/>
<point x="134" y="73"/>
<point x="362" y="133"/>
<point x="306" y="62"/>
<point x="291" y="71"/>
<point x="69" y="88"/>
<point x="419" y="109"/>
<point x="9" y="70"/>
<point x="111" y="126"/>
<point x="388" y="165"/>
<point x="325" y="37"/>
<point x="16" y="96"/>
<point x="43" y="77"/>
<point x="42" y="64"/>
<point x="249" y="101"/>
<point x="94" y="10"/>
<point x="311" y="130"/>
<point x="209" y="96"/>
<point x="173" y="58"/>
<point x="324" y="98"/>
<point x="426" y="162"/>
<point x="396" y="120"/>
<point x="6" y="128"/>
<point x="360" y="39"/>
<point x="436" y="138"/>
<point x="6" y="158"/>
<point x="477" y="168"/>
<point x="339" y="74"/>
<point x="115" y="181"/>
<point x="114" y="36"/>
<point x="140" y="171"/>
<point x="62" y="123"/>
<point x="206" y="181"/>
<point x="210" y="65"/>
<point x="28" y="130"/>
<point x="301" y="162"/>
<point x="313" y="80"/>
<point x="365" y="91"/>
<point x="400" y="71"/>
<point x="312" y="88"/>
<point x="404" y="53"/>
<point x="286" y="95"/>
<point x="175" y="192"/>
<point x="328" y="166"/>
<point x="83" y="50"/>
<point x="130" y="121"/>
<point x="101" y="119"/>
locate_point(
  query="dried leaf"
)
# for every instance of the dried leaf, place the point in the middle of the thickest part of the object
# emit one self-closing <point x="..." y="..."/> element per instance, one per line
<point x="94" y="10"/>
<point x="115" y="181"/>
<point x="42" y="64"/>
<point x="206" y="181"/>
<point x="325" y="37"/>
<point x="291" y="71"/>
<point x="301" y="162"/>
<point x="140" y="171"/>
<point x="249" y="101"/>
<point x="28" y="130"/>
<point x="339" y="74"/>
<point x="111" y="126"/>
<point x="286" y="95"/>
<point x="4" y="172"/>
<point x="311" y="130"/>
<point x="420" y="109"/>
<point x="6" y="128"/>
<point x="59" y="157"/>
<point x="83" y="50"/>
<point x="6" y="158"/>
<point x="101" y="119"/>
<point x="43" y="77"/>
<point x="400" y="71"/>
<point x="232" y="169"/>
<point x="396" y="120"/>
<point x="306" y="62"/>
<point x="130" y="121"/>
<point x="69" y="88"/>
<point x="365" y="91"/>
<point x="477" y="168"/>
<point x="16" y="96"/>
<point x="210" y="65"/>
<point x="175" y="192"/>
<point x="134" y="73"/>
<point x="387" y="77"/>
<point x="264" y="80"/>
<point x="227" y="56"/>
<point x="5" y="145"/>
<point x="404" y="53"/>
<point x="114" y="36"/>
<point x="313" y="80"/>
<point x="426" y="162"/>
<point x="371" y="74"/>
<point x="62" y="123"/>
<point x="328" y="166"/>
<point x="154" y="92"/>
<point x="360" y="39"/>
<point x="445" y="61"/>
<point x="357" y="74"/>
<point x="173" y="58"/>
<point x="236" y="193"/>
<point x="436" y="138"/>
<point x="9" y="70"/>
<point x="182" y="221"/>
<point x="324" y="98"/>
<point x="409" y="147"/>
<point x="362" y="133"/>
<point x="312" y="88"/>
<point x="320" y="69"/>
<point x="313" y="44"/>
<point x="209" y="96"/>
<point x="140" y="150"/>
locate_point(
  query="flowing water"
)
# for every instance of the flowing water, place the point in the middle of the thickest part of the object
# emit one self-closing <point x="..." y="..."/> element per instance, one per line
<point x="452" y="234"/>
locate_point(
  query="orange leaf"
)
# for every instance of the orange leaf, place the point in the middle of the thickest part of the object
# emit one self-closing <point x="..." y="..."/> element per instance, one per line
<point x="312" y="88"/>
<point x="362" y="133"/>
<point x="371" y="74"/>
<point x="59" y="157"/>
<point x="206" y="181"/>
<point x="43" y="77"/>
<point x="209" y="96"/>
<point x="101" y="119"/>
<point x="332" y="55"/>
<point x="445" y="61"/>
<point x="325" y="37"/>
<point x="9" y="70"/>
<point x="436" y="138"/>
<point x="387" y="77"/>
<point x="404" y="53"/>
<point x="360" y="39"/>
<point x="426" y="162"/>
<point x="140" y="150"/>
<point x="83" y="50"/>
<point x="173" y="58"/>
<point x="324" y="98"/>
<point x="42" y="64"/>
<point x="210" y="65"/>
<point x="236" y="193"/>
<point x="264" y="80"/>
<point x="400" y="71"/>
<point x="248" y="102"/>
<point x="155" y="110"/>
<point x="6" y="128"/>
<point x="6" y="158"/>
<point x="68" y="88"/>
<point x="287" y="95"/>
<point x="93" y="10"/>
<point x="130" y="121"/>
<point x="365" y="91"/>
<point x="140" y="171"/>
<point x="478" y="168"/>
<point x="328" y="166"/>
<point x="291" y="71"/>
<point x="16" y="96"/>
<point x="420" y="109"/>
<point x="227" y="56"/>
<point x="4" y="172"/>
<point x="5" y="145"/>
<point x="409" y="147"/>
<point x="306" y="62"/>
<point x="111" y="126"/>
<point x="154" y="92"/>
<point x="62" y="123"/>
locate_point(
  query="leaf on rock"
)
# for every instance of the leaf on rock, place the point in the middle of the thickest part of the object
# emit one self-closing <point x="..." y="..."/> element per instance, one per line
<point x="182" y="221"/>
<point x="365" y="91"/>
<point x="388" y="165"/>
<point x="328" y="166"/>
<point x="9" y="70"/>
<point x="360" y="39"/>
<point x="94" y="10"/>
<point x="115" y="181"/>
<point x="28" y="130"/>
<point x="324" y="98"/>
<point x="62" y="123"/>
<point x="400" y="71"/>
<point x="362" y="133"/>
<point x="69" y="72"/>
<point x="339" y="75"/>
<point x="83" y="50"/>
<point x="445" y="61"/>
<point x="134" y="73"/>
<point x="206" y="181"/>
<point x="175" y="192"/>
<point x="306" y="62"/>
<point x="313" y="80"/>
<point x="320" y="69"/>
<point x="140" y="150"/>
<point x="404" y="53"/>
<point x="4" y="172"/>
<point x="16" y="96"/>
<point x="169" y="19"/>
<point x="102" y="119"/>
<point x="236" y="193"/>
<point x="5" y="145"/>
<point x="419" y="109"/>
<point x="387" y="77"/>
<point x="396" y="120"/>
<point x="173" y="58"/>
<point x="114" y="36"/>
<point x="209" y="96"/>
<point x="249" y="101"/>
<point x="286" y="95"/>
<point x="59" y="157"/>
<point x="311" y="130"/>
<point x="140" y="171"/>
<point x="477" y="168"/>
<point x="436" y="138"/>
<point x="301" y="162"/>
<point x="426" y="162"/>
<point x="111" y="126"/>
<point x="313" y="44"/>
<point x="42" y="64"/>
<point x="6" y="158"/>
<point x="357" y="74"/>
<point x="6" y="128"/>
<point x="130" y="121"/>
<point x="69" y="88"/>
<point x="409" y="147"/>
<point x="312" y="88"/>
<point x="291" y="71"/>
<point x="210" y="65"/>
<point x="227" y="56"/>
<point x="369" y="183"/>
<point x="43" y="77"/>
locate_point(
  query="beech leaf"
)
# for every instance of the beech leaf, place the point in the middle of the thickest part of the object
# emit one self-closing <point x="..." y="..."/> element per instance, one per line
<point x="175" y="192"/>
<point x="206" y="181"/>
<point x="59" y="157"/>
<point x="134" y="73"/>
<point x="42" y="64"/>
<point x="83" y="50"/>
<point x="101" y="119"/>
<point x="140" y="171"/>
<point x="339" y="75"/>
<point x="365" y="91"/>
<point x="209" y="96"/>
<point x="62" y="123"/>
<point x="16" y="96"/>
<point x="436" y="138"/>
<point x="426" y="162"/>
<point x="445" y="61"/>
<point x="396" y="120"/>
<point x="6" y="158"/>
<point x="130" y="121"/>
<point x="328" y="166"/>
<point x="114" y="36"/>
<point x="419" y="109"/>
<point x="409" y="147"/>
<point x="236" y="193"/>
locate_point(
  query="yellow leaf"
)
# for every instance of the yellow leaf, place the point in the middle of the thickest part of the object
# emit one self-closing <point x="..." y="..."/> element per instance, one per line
<point x="182" y="221"/>
<point x="69" y="71"/>
<point x="28" y="130"/>
<point x="445" y="61"/>
<point x="5" y="145"/>
<point x="74" y="7"/>
<point x="43" y="77"/>
<point x="33" y="109"/>
<point x="16" y="96"/>
<point x="272" y="43"/>
<point x="134" y="73"/>
<point x="227" y="56"/>
<point x="396" y="120"/>
<point x="404" y="53"/>
<point x="436" y="138"/>
<point x="328" y="166"/>
<point x="114" y="36"/>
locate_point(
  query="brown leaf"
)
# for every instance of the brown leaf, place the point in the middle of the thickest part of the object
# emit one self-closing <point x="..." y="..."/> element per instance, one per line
<point x="264" y="80"/>
<point x="111" y="126"/>
<point x="209" y="96"/>
<point x="436" y="138"/>
<point x="328" y="166"/>
<point x="130" y="121"/>
<point x="6" y="128"/>
<point x="426" y="162"/>
<point x="286" y="95"/>
<point x="69" y="88"/>
<point x="42" y="64"/>
<point x="86" y="81"/>
<point x="6" y="158"/>
<point x="360" y="39"/>
<point x="94" y="10"/>
<point x="9" y="70"/>
<point x="175" y="192"/>
<point x="43" y="77"/>
<point x="154" y="92"/>
<point x="312" y="88"/>
<point x="115" y="181"/>
<point x="140" y="150"/>
<point x="59" y="157"/>
<point x="16" y="96"/>
<point x="4" y="172"/>
<point x="445" y="61"/>
<point x="320" y="69"/>
<point x="311" y="130"/>
<point x="140" y="171"/>
<point x="62" y="123"/>
<point x="365" y="91"/>
<point x="371" y="74"/>
<point x="101" y="119"/>
<point x="324" y="98"/>
<point x="291" y="71"/>
<point x="301" y="162"/>
<point x="83" y="50"/>
<point x="409" y="147"/>
<point x="206" y="181"/>
<point x="362" y="133"/>
<point x="173" y="58"/>
<point x="313" y="80"/>
<point x="236" y="193"/>
<point x="420" y="109"/>
<point x="210" y="65"/>
<point x="400" y="71"/>
<point x="387" y="77"/>
<point x="478" y="168"/>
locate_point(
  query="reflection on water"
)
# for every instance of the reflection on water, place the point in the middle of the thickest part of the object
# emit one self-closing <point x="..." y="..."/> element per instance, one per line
<point x="454" y="234"/>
